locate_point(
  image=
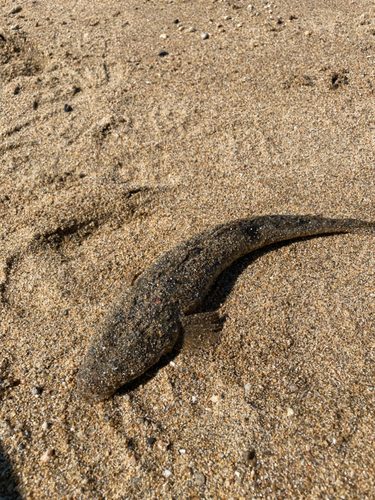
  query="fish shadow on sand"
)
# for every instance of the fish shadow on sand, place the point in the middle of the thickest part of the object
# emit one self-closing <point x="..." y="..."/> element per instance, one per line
<point x="217" y="295"/>
<point x="8" y="483"/>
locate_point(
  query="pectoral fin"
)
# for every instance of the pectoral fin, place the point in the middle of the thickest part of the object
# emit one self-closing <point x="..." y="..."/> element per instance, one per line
<point x="202" y="330"/>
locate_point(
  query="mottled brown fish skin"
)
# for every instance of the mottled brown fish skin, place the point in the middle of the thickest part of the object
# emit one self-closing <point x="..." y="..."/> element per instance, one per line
<point x="147" y="320"/>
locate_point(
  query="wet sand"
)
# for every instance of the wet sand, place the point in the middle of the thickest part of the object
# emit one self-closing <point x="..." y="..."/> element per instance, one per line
<point x="110" y="155"/>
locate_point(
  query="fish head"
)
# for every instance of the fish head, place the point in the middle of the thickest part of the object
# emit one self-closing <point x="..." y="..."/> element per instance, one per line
<point x="123" y="350"/>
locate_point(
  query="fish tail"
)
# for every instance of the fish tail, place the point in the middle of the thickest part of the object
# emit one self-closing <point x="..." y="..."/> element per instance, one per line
<point x="274" y="228"/>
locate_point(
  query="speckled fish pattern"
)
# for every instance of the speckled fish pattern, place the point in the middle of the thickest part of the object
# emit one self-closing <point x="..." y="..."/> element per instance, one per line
<point x="145" y="323"/>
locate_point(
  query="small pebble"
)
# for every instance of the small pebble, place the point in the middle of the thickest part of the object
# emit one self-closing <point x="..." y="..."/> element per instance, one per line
<point x="151" y="441"/>
<point x="192" y="29"/>
<point x="247" y="387"/>
<point x="215" y="399"/>
<point x="36" y="391"/>
<point x="182" y="451"/>
<point x="193" y="399"/>
<point x="167" y="473"/>
<point x="47" y="455"/>
<point x="162" y="53"/>
<point x="45" y="426"/>
<point x="163" y="36"/>
<point x="199" y="478"/>
<point x="15" y="10"/>
<point x="67" y="108"/>
<point x="163" y="445"/>
<point x="15" y="27"/>
<point x="181" y="28"/>
<point x="289" y="412"/>
<point x="5" y="426"/>
<point x="205" y="36"/>
<point x="176" y="21"/>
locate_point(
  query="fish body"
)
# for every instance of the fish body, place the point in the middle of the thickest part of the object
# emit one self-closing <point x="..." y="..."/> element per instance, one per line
<point x="145" y="323"/>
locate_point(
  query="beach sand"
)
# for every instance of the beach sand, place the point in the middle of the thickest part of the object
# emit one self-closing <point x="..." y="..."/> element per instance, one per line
<point x="111" y="153"/>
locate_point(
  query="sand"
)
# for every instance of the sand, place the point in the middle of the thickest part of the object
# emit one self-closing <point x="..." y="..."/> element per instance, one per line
<point x="110" y="155"/>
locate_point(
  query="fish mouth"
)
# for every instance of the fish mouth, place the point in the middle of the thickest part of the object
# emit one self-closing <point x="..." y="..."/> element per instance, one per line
<point x="92" y="391"/>
<point x="96" y="396"/>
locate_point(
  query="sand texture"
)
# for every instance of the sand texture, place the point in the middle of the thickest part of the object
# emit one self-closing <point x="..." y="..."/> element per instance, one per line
<point x="112" y="152"/>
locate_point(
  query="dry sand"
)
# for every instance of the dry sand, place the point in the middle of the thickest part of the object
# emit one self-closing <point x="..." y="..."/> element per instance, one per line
<point x="110" y="155"/>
